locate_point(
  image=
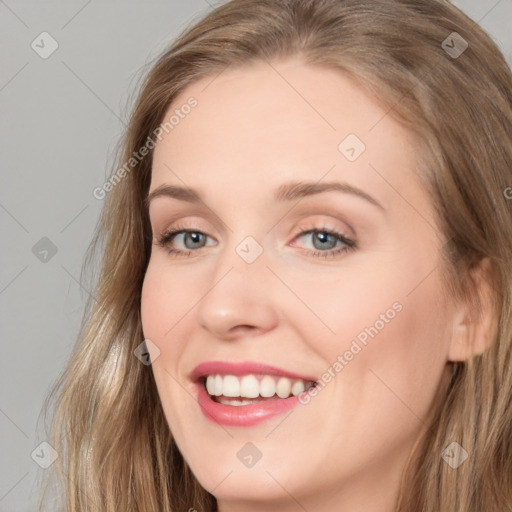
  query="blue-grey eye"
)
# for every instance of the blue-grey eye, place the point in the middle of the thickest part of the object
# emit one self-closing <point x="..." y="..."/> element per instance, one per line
<point x="326" y="240"/>
<point x="196" y="239"/>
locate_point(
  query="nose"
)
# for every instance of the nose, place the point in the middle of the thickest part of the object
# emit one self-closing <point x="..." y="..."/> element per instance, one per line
<point x="239" y="301"/>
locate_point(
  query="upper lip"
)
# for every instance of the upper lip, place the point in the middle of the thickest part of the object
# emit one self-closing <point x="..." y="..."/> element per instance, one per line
<point x="242" y="368"/>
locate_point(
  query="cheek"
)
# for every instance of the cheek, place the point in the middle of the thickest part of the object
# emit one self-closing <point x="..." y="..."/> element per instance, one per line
<point x="164" y="310"/>
<point x="387" y="357"/>
<point x="404" y="339"/>
<point x="390" y="295"/>
<point x="165" y="306"/>
<point x="154" y="301"/>
<point x="165" y="301"/>
<point x="384" y="328"/>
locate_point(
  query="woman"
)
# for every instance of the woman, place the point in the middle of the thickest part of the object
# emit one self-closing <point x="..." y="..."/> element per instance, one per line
<point x="309" y="227"/>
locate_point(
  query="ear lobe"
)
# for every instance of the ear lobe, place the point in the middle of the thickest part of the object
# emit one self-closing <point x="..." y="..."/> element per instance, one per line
<point x="473" y="327"/>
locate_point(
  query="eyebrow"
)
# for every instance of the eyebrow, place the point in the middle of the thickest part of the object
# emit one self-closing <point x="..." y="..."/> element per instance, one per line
<point x="285" y="192"/>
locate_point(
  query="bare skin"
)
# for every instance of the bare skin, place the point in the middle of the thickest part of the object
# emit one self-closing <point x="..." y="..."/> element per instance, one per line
<point x="293" y="307"/>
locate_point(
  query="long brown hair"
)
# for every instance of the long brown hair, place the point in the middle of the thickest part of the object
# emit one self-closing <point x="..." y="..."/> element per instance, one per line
<point x="115" y="448"/>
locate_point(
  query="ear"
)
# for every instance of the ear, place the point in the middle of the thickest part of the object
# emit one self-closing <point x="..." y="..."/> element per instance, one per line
<point x="473" y="328"/>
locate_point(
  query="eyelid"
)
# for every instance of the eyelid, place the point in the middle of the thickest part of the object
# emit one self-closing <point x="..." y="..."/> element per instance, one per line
<point x="191" y="224"/>
<point x="316" y="223"/>
<point x="319" y="222"/>
<point x="338" y="217"/>
<point x="188" y="217"/>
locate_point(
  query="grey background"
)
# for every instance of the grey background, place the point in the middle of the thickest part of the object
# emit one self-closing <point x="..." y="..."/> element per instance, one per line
<point x="60" y="120"/>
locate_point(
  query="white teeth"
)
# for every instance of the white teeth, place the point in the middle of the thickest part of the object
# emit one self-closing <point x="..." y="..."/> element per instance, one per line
<point x="231" y="386"/>
<point x="298" y="387"/>
<point x="219" y="383"/>
<point x="234" y="401"/>
<point x="210" y="385"/>
<point x="249" y="386"/>
<point x="267" y="386"/>
<point x="283" y="388"/>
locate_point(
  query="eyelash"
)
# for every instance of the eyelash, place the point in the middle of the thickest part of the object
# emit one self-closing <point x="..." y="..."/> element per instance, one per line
<point x="167" y="237"/>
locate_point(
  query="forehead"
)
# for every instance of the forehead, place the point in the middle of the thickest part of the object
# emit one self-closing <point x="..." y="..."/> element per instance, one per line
<point x="267" y="123"/>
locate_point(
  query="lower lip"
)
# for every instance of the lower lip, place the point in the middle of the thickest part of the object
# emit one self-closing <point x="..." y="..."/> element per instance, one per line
<point x="242" y="415"/>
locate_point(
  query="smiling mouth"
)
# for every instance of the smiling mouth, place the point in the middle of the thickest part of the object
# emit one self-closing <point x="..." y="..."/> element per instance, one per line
<point x="253" y="388"/>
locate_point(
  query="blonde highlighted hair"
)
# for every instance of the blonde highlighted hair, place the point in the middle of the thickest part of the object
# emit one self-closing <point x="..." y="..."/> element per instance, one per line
<point x="116" y="452"/>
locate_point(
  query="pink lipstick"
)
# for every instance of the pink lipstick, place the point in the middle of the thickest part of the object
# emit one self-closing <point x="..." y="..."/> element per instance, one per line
<point x="246" y="393"/>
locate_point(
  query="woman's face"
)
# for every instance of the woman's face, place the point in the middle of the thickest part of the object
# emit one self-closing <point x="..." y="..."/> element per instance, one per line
<point x="312" y="249"/>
